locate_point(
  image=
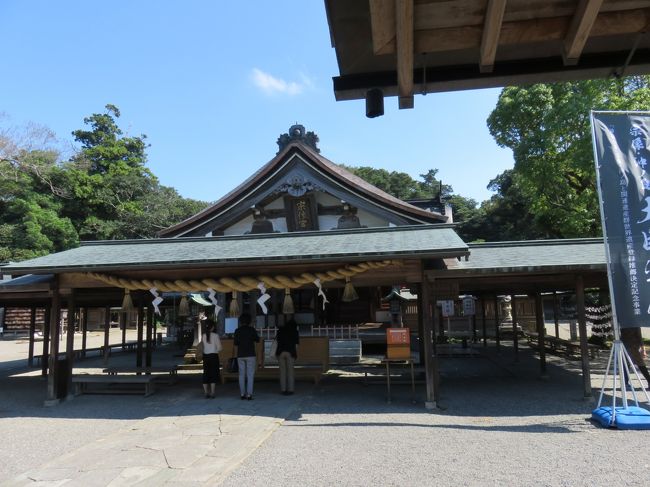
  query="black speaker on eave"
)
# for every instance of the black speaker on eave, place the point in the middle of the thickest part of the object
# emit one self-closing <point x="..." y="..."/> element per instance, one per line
<point x="374" y="103"/>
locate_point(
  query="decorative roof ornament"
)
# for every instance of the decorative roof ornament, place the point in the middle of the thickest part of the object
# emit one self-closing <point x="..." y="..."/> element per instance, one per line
<point x="297" y="185"/>
<point x="297" y="134"/>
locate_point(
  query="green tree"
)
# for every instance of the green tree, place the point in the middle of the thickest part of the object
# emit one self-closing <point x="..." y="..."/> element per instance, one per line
<point x="403" y="186"/>
<point x="547" y="127"/>
<point x="505" y="216"/>
<point x="115" y="195"/>
<point x="30" y="220"/>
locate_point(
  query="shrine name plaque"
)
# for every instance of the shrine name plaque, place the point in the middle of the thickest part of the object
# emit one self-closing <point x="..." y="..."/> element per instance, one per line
<point x="302" y="213"/>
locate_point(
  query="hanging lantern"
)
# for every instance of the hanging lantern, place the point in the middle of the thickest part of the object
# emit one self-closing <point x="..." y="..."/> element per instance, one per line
<point x="234" y="306"/>
<point x="127" y="302"/>
<point x="349" y="293"/>
<point x="184" y="306"/>
<point x="287" y="306"/>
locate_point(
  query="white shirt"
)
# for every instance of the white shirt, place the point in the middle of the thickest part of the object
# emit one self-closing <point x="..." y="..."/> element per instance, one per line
<point x="212" y="346"/>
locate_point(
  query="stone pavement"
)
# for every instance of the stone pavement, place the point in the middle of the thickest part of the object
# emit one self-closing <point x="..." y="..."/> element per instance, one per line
<point x="199" y="445"/>
<point x="174" y="437"/>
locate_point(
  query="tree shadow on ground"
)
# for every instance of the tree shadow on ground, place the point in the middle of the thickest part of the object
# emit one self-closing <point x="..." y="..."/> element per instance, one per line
<point x="488" y="383"/>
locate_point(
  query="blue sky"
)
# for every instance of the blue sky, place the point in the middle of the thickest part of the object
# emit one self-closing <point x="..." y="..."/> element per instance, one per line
<point x="213" y="85"/>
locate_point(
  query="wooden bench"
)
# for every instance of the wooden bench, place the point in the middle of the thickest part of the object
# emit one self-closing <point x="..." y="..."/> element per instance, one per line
<point x="82" y="381"/>
<point x="559" y="345"/>
<point x="312" y="362"/>
<point x="170" y="373"/>
<point x="61" y="355"/>
<point x="79" y="353"/>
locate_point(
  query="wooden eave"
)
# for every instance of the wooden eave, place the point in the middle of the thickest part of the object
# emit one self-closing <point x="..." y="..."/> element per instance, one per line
<point x="470" y="44"/>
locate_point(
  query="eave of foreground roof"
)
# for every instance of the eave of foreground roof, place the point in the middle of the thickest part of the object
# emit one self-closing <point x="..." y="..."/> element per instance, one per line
<point x="587" y="254"/>
<point x="416" y="241"/>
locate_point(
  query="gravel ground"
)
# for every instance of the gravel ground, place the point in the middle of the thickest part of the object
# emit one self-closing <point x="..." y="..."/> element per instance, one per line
<point x="501" y="427"/>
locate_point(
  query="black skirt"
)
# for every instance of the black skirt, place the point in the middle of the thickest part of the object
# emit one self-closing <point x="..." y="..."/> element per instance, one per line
<point x="211" y="368"/>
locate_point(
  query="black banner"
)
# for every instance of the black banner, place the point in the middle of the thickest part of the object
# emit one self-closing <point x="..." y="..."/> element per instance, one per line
<point x="621" y="147"/>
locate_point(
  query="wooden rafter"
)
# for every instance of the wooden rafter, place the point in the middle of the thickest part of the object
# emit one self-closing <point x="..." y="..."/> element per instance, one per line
<point x="530" y="31"/>
<point x="491" y="31"/>
<point x="579" y="30"/>
<point x="382" y="22"/>
<point x="404" y="41"/>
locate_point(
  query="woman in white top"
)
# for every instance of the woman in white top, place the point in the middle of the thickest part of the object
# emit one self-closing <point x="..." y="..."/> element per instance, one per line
<point x="211" y="349"/>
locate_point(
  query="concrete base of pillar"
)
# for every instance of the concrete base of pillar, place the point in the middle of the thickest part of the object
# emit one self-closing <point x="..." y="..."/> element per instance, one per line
<point x="430" y="405"/>
<point x="51" y="402"/>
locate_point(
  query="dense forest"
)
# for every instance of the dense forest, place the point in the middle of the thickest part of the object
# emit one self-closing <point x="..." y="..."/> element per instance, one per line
<point x="104" y="190"/>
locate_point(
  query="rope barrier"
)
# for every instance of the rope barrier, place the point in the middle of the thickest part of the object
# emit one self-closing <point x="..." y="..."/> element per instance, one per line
<point x="240" y="284"/>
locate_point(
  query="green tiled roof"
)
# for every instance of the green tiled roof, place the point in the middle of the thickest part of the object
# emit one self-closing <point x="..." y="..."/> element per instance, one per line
<point x="351" y="245"/>
<point x="533" y="255"/>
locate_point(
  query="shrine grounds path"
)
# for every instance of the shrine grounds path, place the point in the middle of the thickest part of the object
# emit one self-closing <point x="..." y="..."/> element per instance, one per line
<point x="500" y="425"/>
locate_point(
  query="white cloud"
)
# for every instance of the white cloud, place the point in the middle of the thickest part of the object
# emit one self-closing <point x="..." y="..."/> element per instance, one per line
<point x="270" y="84"/>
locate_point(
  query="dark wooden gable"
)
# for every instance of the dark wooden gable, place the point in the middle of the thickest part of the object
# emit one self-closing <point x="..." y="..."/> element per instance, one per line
<point x="295" y="176"/>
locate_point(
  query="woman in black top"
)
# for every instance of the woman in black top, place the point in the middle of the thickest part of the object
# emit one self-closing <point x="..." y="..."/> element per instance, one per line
<point x="287" y="353"/>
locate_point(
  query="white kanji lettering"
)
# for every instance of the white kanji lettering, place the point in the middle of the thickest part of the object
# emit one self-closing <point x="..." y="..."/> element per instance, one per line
<point x="646" y="210"/>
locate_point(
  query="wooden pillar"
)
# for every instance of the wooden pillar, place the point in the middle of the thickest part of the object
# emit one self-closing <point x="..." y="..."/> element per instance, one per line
<point x="515" y="334"/>
<point x="541" y="333"/>
<point x="497" y="335"/>
<point x="45" y="358"/>
<point x="123" y="320"/>
<point x="84" y="330"/>
<point x="107" y="330"/>
<point x="221" y="319"/>
<point x="421" y="315"/>
<point x="55" y="329"/>
<point x="138" y="354"/>
<point x="474" y="334"/>
<point x="69" y="342"/>
<point x="149" y="336"/>
<point x="483" y="321"/>
<point x="582" y="326"/>
<point x="428" y="312"/>
<point x="32" y="330"/>
<point x="252" y="306"/>
<point x="556" y="314"/>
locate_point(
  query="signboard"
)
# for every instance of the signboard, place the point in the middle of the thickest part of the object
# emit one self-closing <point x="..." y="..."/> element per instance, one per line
<point x="302" y="213"/>
<point x="621" y="151"/>
<point x="447" y="306"/>
<point x="469" y="308"/>
<point x="398" y="336"/>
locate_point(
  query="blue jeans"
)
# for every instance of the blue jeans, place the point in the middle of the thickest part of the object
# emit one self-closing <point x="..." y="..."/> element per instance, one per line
<point x="246" y="375"/>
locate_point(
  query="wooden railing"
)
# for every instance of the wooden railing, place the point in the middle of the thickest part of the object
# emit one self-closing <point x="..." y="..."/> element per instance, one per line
<point x="336" y="331"/>
<point x="331" y="331"/>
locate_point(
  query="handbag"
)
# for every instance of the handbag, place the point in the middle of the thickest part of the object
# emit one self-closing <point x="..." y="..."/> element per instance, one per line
<point x="198" y="354"/>
<point x="274" y="347"/>
<point x="233" y="365"/>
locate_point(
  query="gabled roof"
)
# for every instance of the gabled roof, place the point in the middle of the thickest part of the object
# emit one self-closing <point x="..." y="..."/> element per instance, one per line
<point x="419" y="241"/>
<point x="246" y="192"/>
